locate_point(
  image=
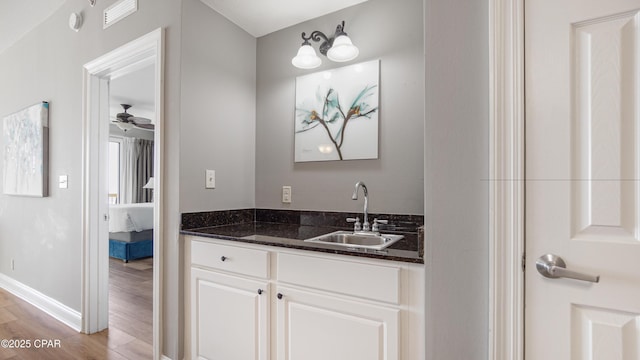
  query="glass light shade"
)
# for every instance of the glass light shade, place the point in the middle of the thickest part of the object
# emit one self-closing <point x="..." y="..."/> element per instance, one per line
<point x="306" y="58"/>
<point x="124" y="126"/>
<point x="342" y="49"/>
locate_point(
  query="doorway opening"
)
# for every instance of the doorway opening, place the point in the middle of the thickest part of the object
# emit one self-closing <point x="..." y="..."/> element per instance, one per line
<point x="131" y="206"/>
<point x="140" y="54"/>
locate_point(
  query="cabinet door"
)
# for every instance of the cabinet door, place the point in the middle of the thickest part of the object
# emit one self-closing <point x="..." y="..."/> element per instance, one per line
<point x="313" y="326"/>
<point x="229" y="317"/>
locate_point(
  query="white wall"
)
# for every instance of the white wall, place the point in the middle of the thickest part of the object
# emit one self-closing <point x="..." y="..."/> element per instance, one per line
<point x="217" y="111"/>
<point x="389" y="30"/>
<point x="43" y="235"/>
<point x="456" y="170"/>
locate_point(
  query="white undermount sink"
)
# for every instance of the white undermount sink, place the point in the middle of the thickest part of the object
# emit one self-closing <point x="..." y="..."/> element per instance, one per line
<point x="357" y="240"/>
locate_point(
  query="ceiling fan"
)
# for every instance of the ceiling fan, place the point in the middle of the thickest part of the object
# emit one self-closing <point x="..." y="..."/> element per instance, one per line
<point x="126" y="121"/>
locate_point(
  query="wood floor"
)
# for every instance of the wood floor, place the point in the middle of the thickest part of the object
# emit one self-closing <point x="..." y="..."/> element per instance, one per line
<point x="130" y="322"/>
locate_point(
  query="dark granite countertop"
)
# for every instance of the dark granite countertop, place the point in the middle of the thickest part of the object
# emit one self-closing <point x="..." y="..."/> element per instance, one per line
<point x="293" y="236"/>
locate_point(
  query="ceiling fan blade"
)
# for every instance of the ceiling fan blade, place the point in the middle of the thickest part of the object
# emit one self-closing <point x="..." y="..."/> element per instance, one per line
<point x="140" y="120"/>
<point x="145" y="126"/>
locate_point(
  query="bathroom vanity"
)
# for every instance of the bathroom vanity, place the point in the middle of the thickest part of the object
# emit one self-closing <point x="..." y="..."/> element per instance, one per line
<point x="257" y="290"/>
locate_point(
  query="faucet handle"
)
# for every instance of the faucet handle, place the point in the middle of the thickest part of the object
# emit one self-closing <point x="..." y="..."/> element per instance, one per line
<point x="356" y="226"/>
<point x="376" y="223"/>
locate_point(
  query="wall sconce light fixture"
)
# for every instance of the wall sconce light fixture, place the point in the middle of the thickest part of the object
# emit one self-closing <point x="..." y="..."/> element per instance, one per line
<point x="339" y="48"/>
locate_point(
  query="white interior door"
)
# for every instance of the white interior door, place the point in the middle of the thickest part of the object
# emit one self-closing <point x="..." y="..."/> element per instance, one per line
<point x="582" y="166"/>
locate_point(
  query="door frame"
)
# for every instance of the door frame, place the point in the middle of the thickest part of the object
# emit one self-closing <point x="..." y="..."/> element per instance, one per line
<point x="145" y="50"/>
<point x="507" y="185"/>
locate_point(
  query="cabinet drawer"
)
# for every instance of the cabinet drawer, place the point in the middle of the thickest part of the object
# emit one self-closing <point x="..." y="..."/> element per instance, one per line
<point x="230" y="258"/>
<point x="375" y="282"/>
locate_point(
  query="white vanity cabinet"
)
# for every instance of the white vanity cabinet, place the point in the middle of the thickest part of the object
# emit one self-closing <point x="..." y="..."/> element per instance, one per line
<point x="314" y="326"/>
<point x="337" y="309"/>
<point x="229" y="302"/>
<point x="313" y="306"/>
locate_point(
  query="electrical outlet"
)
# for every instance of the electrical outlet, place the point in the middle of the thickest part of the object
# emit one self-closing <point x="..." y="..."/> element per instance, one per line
<point x="210" y="180"/>
<point x="286" y="194"/>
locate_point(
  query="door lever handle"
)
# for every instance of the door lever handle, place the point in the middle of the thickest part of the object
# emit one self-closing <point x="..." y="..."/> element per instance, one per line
<point x="553" y="267"/>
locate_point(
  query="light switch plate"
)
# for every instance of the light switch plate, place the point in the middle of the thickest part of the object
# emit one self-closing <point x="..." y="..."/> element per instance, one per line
<point x="210" y="181"/>
<point x="63" y="182"/>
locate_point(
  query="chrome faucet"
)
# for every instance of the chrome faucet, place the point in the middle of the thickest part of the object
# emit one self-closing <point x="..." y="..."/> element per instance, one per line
<point x="365" y="224"/>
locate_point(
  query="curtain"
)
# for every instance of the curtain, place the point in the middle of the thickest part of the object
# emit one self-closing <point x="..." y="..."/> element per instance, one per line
<point x="144" y="169"/>
<point x="135" y="170"/>
<point x="127" y="170"/>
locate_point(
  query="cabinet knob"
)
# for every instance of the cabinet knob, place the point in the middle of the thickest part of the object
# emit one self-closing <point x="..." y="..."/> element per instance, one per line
<point x="223" y="258"/>
<point x="259" y="291"/>
<point x="280" y="296"/>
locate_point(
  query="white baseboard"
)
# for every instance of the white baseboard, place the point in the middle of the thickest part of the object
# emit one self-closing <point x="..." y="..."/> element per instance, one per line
<point x="164" y="357"/>
<point x="53" y="307"/>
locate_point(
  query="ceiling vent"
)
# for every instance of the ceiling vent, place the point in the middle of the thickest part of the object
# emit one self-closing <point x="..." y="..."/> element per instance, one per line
<point x="119" y="11"/>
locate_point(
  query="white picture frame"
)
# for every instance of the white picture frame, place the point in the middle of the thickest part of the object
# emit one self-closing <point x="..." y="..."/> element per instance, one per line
<point x="336" y="115"/>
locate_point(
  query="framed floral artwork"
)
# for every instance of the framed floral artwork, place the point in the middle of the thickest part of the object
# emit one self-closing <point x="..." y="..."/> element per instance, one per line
<point x="336" y="115"/>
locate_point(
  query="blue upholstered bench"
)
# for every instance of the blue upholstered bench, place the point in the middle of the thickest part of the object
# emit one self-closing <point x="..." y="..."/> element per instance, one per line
<point x="130" y="250"/>
<point x="131" y="245"/>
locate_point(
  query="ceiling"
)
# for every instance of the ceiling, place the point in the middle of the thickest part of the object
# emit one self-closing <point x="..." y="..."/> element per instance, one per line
<point x="257" y="17"/>
<point x="18" y="17"/>
<point x="135" y="89"/>
<point x="261" y="17"/>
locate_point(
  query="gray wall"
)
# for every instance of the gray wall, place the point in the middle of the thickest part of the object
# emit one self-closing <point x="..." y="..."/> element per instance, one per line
<point x="456" y="190"/>
<point x="217" y="124"/>
<point x="217" y="111"/>
<point x="43" y="235"/>
<point x="46" y="65"/>
<point x="389" y="30"/>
